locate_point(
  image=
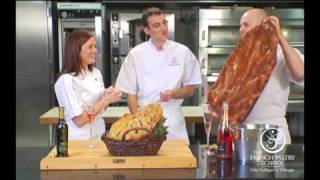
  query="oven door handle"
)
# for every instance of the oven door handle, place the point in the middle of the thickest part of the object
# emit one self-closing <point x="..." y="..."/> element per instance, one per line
<point x="98" y="32"/>
<point x="203" y="35"/>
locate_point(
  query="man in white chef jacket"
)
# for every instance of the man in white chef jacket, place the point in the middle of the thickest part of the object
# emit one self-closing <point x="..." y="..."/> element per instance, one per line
<point x="162" y="71"/>
<point x="270" y="107"/>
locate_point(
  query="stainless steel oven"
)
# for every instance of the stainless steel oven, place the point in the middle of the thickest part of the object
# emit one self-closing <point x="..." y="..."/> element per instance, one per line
<point x="219" y="33"/>
<point x="86" y="16"/>
<point x="126" y="31"/>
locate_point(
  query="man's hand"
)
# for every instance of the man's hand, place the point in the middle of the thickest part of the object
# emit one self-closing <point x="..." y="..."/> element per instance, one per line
<point x="293" y="60"/>
<point x="166" y="95"/>
<point x="180" y="93"/>
<point x="276" y="24"/>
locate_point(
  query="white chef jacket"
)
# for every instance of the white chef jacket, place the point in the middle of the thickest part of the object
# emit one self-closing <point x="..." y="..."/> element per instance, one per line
<point x="147" y="71"/>
<point x="270" y="107"/>
<point x="73" y="93"/>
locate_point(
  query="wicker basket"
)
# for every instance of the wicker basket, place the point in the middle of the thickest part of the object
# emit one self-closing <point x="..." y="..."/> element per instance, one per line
<point x="143" y="147"/>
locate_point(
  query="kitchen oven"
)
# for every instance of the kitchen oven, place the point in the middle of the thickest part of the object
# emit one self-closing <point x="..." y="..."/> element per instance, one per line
<point x="218" y="35"/>
<point x="86" y="16"/>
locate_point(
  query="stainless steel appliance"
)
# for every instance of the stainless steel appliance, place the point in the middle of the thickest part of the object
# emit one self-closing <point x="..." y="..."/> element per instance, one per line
<point x="126" y="31"/>
<point x="248" y="147"/>
<point x="86" y="16"/>
<point x="34" y="71"/>
<point x="219" y="33"/>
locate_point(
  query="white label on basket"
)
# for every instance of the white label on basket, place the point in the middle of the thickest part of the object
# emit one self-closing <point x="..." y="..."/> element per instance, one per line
<point x="119" y="161"/>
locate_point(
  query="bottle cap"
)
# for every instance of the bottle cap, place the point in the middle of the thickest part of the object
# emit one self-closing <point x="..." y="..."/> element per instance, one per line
<point x="61" y="112"/>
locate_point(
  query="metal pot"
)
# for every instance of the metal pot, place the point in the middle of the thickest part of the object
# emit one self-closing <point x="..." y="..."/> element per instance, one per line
<point x="247" y="145"/>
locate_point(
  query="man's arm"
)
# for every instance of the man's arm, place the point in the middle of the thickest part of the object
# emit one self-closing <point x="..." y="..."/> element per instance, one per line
<point x="132" y="103"/>
<point x="127" y="82"/>
<point x="180" y="93"/>
<point x="184" y="92"/>
<point x="293" y="60"/>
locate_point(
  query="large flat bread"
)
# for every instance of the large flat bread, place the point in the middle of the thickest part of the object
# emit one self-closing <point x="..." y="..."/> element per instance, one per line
<point x="148" y="117"/>
<point x="245" y="73"/>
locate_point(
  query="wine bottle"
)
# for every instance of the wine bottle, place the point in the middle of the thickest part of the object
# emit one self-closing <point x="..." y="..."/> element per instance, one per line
<point x="225" y="135"/>
<point x="62" y="135"/>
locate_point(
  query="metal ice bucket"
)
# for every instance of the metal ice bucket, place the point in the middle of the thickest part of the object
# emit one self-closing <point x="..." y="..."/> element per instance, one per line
<point x="248" y="143"/>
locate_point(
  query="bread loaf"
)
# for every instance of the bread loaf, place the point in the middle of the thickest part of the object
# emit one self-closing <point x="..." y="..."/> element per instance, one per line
<point x="245" y="73"/>
<point x="148" y="117"/>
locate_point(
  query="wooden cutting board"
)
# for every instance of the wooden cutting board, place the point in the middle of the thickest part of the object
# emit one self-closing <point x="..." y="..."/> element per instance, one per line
<point x="172" y="154"/>
<point x="119" y="174"/>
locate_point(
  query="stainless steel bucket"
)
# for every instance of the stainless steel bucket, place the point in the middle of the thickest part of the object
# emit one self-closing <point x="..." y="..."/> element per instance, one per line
<point x="248" y="144"/>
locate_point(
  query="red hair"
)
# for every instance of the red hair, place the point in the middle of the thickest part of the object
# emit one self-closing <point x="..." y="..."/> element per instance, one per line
<point x="71" y="58"/>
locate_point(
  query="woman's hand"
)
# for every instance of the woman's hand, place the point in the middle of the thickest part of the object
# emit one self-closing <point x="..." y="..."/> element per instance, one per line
<point x="108" y="90"/>
<point x="112" y="95"/>
<point x="115" y="95"/>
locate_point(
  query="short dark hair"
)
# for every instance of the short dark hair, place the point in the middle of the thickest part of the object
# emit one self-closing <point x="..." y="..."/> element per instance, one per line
<point x="72" y="48"/>
<point x="150" y="12"/>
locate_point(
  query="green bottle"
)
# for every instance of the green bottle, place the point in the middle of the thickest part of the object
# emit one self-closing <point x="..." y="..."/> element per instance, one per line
<point x="62" y="135"/>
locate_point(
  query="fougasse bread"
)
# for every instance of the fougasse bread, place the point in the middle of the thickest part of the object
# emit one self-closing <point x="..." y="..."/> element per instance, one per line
<point x="245" y="73"/>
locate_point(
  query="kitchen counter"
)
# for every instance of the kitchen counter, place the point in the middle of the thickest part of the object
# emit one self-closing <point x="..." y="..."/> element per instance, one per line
<point x="193" y="114"/>
<point x="28" y="167"/>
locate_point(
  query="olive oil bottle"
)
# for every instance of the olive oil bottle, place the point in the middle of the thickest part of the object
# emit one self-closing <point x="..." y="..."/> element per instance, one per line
<point x="62" y="135"/>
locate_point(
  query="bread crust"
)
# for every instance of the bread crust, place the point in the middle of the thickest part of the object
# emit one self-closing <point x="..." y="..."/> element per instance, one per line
<point x="148" y="117"/>
<point x="245" y="73"/>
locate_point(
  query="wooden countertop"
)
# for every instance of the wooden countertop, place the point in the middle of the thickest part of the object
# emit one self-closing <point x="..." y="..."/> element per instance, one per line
<point x="172" y="154"/>
<point x="193" y="114"/>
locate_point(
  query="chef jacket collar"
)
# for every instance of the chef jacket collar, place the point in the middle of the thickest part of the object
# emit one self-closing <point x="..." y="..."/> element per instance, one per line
<point x="83" y="73"/>
<point x="164" y="46"/>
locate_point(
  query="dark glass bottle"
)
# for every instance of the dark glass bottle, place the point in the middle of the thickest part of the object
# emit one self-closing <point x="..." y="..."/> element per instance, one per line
<point x="225" y="135"/>
<point x="62" y="135"/>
